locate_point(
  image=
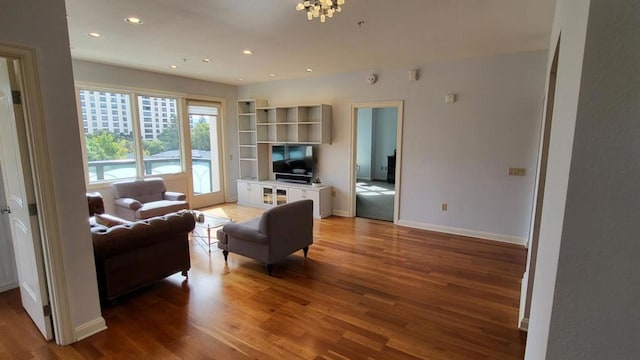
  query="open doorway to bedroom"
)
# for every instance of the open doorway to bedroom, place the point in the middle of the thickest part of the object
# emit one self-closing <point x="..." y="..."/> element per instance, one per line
<point x="376" y="145"/>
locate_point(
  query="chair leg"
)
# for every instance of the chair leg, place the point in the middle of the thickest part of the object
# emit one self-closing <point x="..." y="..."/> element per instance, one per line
<point x="306" y="250"/>
<point x="269" y="268"/>
<point x="225" y="253"/>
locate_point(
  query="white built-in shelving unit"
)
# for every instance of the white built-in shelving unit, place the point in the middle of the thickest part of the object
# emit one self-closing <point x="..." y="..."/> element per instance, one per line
<point x="259" y="126"/>
<point x="301" y="124"/>
<point x="249" y="154"/>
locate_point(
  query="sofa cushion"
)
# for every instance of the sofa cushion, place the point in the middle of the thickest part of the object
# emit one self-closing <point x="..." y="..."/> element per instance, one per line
<point x="146" y="190"/>
<point x="109" y="220"/>
<point x="162" y="207"/>
<point x="247" y="230"/>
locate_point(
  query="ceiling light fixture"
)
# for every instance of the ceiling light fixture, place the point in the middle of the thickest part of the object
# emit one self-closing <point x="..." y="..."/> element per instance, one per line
<point x="320" y="8"/>
<point x="309" y="70"/>
<point x="247" y="52"/>
<point x="173" y="66"/>
<point x="206" y="60"/>
<point x="94" y="34"/>
<point x="272" y="75"/>
<point x="134" y="20"/>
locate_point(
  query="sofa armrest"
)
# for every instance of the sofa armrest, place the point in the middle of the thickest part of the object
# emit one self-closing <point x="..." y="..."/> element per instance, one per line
<point x="243" y="232"/>
<point x="171" y="195"/>
<point x="129" y="203"/>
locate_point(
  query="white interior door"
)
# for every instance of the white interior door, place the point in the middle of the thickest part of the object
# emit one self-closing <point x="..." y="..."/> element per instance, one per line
<point x="8" y="271"/>
<point x="23" y="226"/>
<point x="206" y="154"/>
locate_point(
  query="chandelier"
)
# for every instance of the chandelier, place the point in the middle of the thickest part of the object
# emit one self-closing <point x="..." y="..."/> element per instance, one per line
<point x="320" y="8"/>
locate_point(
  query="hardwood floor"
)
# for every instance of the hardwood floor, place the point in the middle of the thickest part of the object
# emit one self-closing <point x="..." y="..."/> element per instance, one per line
<point x="369" y="290"/>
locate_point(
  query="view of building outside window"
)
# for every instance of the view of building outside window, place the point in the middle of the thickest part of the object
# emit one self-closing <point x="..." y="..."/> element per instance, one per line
<point x="108" y="126"/>
<point x="160" y="134"/>
<point x="108" y="131"/>
<point x="107" y="121"/>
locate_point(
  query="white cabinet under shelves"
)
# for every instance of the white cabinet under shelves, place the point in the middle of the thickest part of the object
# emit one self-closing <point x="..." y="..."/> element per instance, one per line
<point x="249" y="192"/>
<point x="270" y="193"/>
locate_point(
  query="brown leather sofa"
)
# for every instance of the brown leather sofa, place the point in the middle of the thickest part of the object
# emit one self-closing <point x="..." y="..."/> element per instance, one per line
<point x="132" y="255"/>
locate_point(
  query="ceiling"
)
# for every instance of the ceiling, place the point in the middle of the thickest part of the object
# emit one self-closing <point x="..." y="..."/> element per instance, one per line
<point x="400" y="33"/>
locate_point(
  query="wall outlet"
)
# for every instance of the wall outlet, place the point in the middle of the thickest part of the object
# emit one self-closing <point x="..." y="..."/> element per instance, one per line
<point x="444" y="206"/>
<point x="517" y="171"/>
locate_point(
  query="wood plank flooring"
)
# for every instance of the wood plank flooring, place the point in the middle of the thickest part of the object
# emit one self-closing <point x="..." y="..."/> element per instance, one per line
<point x="369" y="290"/>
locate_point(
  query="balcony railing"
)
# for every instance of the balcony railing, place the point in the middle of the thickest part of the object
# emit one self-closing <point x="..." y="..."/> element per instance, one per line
<point x="110" y="170"/>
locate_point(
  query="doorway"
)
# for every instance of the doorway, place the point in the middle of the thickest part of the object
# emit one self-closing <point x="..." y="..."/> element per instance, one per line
<point x="376" y="153"/>
<point x="19" y="201"/>
<point x="205" y="127"/>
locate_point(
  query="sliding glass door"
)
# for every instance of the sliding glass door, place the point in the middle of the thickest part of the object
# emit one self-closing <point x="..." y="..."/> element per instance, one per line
<point x="206" y="167"/>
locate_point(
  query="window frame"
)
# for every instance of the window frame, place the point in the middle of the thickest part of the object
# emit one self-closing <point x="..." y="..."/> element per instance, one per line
<point x="138" y="133"/>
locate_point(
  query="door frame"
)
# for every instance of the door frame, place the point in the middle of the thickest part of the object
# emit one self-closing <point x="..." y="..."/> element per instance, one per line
<point x="526" y="287"/>
<point x="36" y="137"/>
<point x="399" y="105"/>
<point x="222" y="158"/>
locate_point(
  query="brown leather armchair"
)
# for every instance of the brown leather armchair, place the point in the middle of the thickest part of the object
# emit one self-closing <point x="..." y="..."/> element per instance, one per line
<point x="279" y="232"/>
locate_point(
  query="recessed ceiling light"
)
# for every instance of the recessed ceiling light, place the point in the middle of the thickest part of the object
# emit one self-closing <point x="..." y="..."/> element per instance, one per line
<point x="272" y="75"/>
<point x="134" y="20"/>
<point x="309" y="69"/>
<point x="173" y="66"/>
<point x="95" y="34"/>
<point x="240" y="79"/>
<point x="206" y="60"/>
<point x="247" y="52"/>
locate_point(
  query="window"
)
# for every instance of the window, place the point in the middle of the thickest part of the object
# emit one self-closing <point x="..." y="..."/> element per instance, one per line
<point x="161" y="147"/>
<point x="112" y="154"/>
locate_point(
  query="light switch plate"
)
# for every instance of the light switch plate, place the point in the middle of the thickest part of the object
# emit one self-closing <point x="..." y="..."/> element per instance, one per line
<point x="517" y="171"/>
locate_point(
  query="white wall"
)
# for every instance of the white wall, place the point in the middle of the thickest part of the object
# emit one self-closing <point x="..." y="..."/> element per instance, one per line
<point x="586" y="289"/>
<point x="364" y="142"/>
<point x="119" y="77"/>
<point x="43" y="26"/>
<point x="385" y="131"/>
<point x="458" y="153"/>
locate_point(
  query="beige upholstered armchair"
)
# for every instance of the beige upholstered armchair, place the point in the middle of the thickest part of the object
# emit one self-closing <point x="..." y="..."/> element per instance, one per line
<point x="280" y="231"/>
<point x="145" y="198"/>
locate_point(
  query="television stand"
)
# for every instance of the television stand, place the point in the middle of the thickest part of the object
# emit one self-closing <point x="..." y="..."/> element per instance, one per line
<point x="269" y="193"/>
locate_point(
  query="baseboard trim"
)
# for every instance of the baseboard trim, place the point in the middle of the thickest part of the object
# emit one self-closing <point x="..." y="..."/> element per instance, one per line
<point x="464" y="232"/>
<point x="524" y="324"/>
<point x="90" y="328"/>
<point x="9" y="286"/>
<point x="340" y="213"/>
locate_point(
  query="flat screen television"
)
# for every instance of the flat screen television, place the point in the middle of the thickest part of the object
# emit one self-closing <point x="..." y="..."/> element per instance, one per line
<point x="292" y="162"/>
